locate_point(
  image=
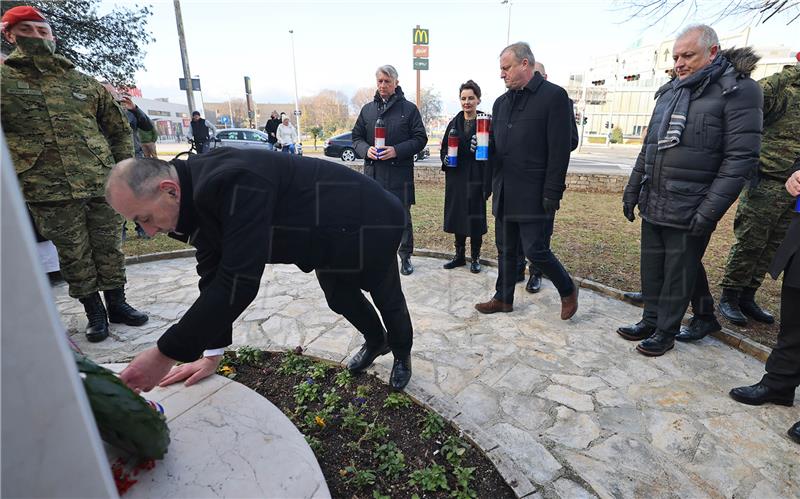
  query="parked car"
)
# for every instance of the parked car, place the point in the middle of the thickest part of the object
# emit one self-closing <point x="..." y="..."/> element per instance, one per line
<point x="247" y="138"/>
<point x="341" y="146"/>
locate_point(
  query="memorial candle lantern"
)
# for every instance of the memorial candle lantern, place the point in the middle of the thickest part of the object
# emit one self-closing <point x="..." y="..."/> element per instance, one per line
<point x="452" y="148"/>
<point x="380" y="135"/>
<point x="484" y="122"/>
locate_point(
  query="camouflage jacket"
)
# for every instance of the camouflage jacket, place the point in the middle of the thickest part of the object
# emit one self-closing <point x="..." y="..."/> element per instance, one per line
<point x="64" y="130"/>
<point x="780" y="143"/>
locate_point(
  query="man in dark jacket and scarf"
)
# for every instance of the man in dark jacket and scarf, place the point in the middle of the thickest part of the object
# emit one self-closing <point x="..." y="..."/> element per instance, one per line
<point x="530" y="146"/>
<point x="783" y="365"/>
<point x="393" y="165"/>
<point x="243" y="209"/>
<point x="702" y="145"/>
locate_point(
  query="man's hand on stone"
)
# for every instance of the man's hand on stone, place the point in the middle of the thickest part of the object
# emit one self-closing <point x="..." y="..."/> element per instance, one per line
<point x="793" y="184"/>
<point x="192" y="372"/>
<point x="146" y="370"/>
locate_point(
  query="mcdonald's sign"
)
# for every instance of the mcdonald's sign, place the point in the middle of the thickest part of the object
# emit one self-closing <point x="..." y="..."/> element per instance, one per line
<point x="420" y="36"/>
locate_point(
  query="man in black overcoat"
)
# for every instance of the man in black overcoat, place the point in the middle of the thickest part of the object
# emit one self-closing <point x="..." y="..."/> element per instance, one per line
<point x="530" y="143"/>
<point x="243" y="209"/>
<point x="393" y="166"/>
<point x="783" y="365"/>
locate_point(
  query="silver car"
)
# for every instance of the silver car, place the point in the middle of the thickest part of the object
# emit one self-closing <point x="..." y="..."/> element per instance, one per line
<point x="247" y="138"/>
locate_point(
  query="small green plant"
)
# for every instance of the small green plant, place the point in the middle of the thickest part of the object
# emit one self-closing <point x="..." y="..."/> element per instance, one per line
<point x="293" y="364"/>
<point x="396" y="400"/>
<point x="343" y="379"/>
<point x="392" y="460"/>
<point x="314" y="443"/>
<point x="616" y="136"/>
<point x="249" y="355"/>
<point x="360" y="478"/>
<point x="330" y="399"/>
<point x="453" y="450"/>
<point x="430" y="479"/>
<point x="362" y="391"/>
<point x="463" y="478"/>
<point x="317" y="371"/>
<point x="225" y="368"/>
<point x="317" y="420"/>
<point x="307" y="391"/>
<point x="377" y="495"/>
<point x="352" y="418"/>
<point x="434" y="424"/>
<point x="375" y="431"/>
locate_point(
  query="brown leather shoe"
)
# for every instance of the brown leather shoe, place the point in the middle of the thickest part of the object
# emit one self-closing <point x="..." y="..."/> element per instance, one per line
<point x="569" y="305"/>
<point x="493" y="306"/>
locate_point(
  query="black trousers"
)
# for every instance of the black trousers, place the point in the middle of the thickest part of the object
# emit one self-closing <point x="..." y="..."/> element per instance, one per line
<point x="702" y="301"/>
<point x="521" y="255"/>
<point x="343" y="293"/>
<point x="534" y="239"/>
<point x="407" y="241"/>
<point x="783" y="364"/>
<point x="670" y="264"/>
<point x="475" y="243"/>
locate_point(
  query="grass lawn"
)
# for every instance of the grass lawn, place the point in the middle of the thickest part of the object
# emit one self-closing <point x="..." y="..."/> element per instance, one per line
<point x="592" y="239"/>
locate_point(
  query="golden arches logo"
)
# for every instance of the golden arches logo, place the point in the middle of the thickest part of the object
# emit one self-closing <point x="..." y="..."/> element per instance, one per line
<point x="420" y="36"/>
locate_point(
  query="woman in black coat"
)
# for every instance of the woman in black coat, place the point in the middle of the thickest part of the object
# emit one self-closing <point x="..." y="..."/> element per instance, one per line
<point x="467" y="185"/>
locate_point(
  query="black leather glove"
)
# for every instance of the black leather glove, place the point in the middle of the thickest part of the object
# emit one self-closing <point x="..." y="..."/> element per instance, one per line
<point x="702" y="226"/>
<point x="627" y="210"/>
<point x="550" y="206"/>
<point x="473" y="143"/>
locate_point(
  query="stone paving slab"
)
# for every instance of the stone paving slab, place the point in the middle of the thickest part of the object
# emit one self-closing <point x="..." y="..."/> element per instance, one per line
<point x="564" y="408"/>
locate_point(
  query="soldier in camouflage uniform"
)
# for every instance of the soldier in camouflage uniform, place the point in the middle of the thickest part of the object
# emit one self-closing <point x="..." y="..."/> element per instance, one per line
<point x="65" y="132"/>
<point x="764" y="211"/>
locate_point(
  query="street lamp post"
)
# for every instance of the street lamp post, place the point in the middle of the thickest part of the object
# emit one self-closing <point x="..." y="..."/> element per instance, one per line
<point x="296" y="100"/>
<point x="508" y="31"/>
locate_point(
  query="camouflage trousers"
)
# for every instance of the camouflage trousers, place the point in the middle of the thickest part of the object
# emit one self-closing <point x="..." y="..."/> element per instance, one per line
<point x="761" y="221"/>
<point x="88" y="236"/>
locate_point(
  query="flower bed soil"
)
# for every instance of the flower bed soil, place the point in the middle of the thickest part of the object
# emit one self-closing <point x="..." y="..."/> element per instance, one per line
<point x="370" y="442"/>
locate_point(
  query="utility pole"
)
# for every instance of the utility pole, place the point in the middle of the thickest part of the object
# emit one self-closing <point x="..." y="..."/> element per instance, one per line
<point x="583" y="111"/>
<point x="296" y="99"/>
<point x="187" y="75"/>
<point x="508" y="31"/>
<point x="419" y="95"/>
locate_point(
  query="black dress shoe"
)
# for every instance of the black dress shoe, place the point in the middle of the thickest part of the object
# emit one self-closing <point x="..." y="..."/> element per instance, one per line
<point x="794" y="432"/>
<point x="120" y="312"/>
<point x="97" y="327"/>
<point x="366" y="356"/>
<point x="459" y="260"/>
<point x="636" y="332"/>
<point x="534" y="283"/>
<point x="749" y="307"/>
<point x="698" y="329"/>
<point x="760" y="394"/>
<point x="405" y="265"/>
<point x="656" y="345"/>
<point x="401" y="373"/>
<point x="729" y="307"/>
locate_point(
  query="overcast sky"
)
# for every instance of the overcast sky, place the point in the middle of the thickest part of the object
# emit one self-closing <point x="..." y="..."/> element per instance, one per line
<point x="338" y="45"/>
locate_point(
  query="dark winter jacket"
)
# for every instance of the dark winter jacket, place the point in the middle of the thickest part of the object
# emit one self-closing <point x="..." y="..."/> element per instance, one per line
<point x="530" y="144"/>
<point x="404" y="131"/>
<point x="243" y="209"/>
<point x="717" y="153"/>
<point x="271" y="129"/>
<point x="138" y="121"/>
<point x="466" y="186"/>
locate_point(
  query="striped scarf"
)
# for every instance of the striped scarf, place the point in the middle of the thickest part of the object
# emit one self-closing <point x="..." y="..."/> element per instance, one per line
<point x="673" y="120"/>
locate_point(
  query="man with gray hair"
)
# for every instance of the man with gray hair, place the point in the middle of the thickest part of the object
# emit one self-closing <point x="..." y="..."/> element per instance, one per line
<point x="392" y="165"/>
<point x="702" y="144"/>
<point x="530" y="146"/>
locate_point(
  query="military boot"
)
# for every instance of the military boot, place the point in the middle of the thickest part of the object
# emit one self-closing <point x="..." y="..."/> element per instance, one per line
<point x="119" y="312"/>
<point x="729" y="306"/>
<point x="749" y="307"/>
<point x="97" y="328"/>
<point x="459" y="259"/>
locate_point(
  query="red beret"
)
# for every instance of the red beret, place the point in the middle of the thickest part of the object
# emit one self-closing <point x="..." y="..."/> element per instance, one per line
<point x="19" y="14"/>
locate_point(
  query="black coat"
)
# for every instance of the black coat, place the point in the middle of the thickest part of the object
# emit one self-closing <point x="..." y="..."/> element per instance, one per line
<point x="466" y="186"/>
<point x="404" y="130"/>
<point x="271" y="129"/>
<point x="243" y="209"/>
<point x="717" y="153"/>
<point x="530" y="144"/>
<point x="787" y="257"/>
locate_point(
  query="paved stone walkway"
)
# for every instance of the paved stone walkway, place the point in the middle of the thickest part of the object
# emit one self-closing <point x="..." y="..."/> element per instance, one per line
<point x="565" y="409"/>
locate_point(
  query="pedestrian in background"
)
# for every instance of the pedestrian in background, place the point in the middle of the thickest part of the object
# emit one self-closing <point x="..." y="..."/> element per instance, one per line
<point x="202" y="132"/>
<point x="393" y="165"/>
<point x="287" y="136"/>
<point x="271" y="129"/>
<point x="467" y="183"/>
<point x="148" y="139"/>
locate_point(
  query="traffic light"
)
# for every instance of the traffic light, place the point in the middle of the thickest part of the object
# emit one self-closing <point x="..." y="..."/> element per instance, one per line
<point x="585" y="120"/>
<point x="606" y="125"/>
<point x="598" y="83"/>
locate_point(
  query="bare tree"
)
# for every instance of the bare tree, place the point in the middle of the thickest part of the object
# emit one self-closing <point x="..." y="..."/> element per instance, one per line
<point x="430" y="105"/>
<point x="362" y="96"/>
<point x="657" y="11"/>
<point x="329" y="110"/>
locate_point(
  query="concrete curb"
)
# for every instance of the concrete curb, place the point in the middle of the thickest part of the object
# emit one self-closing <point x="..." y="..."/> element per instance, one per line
<point x="732" y="338"/>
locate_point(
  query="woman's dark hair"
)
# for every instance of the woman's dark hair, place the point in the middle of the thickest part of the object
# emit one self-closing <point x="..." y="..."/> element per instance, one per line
<point x="470" y="85"/>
